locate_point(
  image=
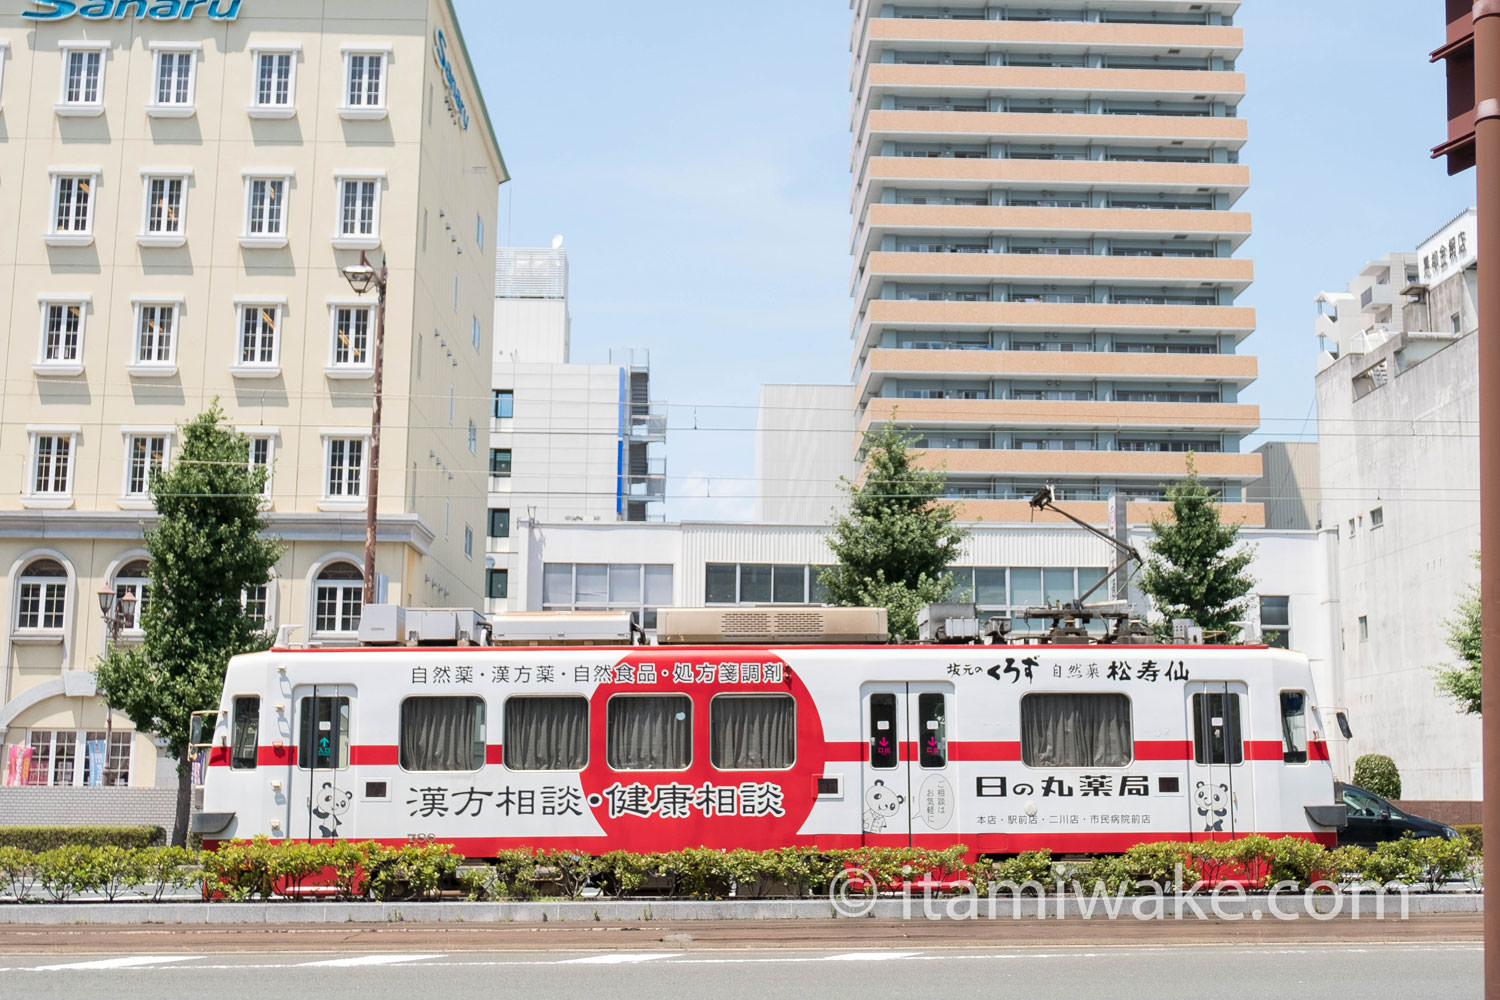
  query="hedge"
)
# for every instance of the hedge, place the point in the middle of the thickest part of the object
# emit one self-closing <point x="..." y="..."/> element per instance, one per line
<point x="262" y="869"/>
<point x="45" y="838"/>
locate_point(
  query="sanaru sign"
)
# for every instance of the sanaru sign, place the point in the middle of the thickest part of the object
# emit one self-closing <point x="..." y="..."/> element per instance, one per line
<point x="440" y="53"/>
<point x="156" y="10"/>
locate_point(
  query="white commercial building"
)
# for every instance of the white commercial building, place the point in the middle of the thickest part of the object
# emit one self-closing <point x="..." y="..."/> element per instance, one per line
<point x="181" y="185"/>
<point x="1398" y="419"/>
<point x="568" y="442"/>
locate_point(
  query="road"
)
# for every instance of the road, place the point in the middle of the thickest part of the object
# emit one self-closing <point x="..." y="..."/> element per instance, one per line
<point x="1128" y="960"/>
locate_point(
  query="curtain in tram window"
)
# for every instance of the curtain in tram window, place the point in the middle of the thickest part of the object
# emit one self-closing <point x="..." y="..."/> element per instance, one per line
<point x="1075" y="730"/>
<point x="546" y="734"/>
<point x="754" y="733"/>
<point x="442" y="734"/>
<point x="649" y="734"/>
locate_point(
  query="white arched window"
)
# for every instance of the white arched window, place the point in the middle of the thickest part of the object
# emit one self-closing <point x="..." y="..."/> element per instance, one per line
<point x="133" y="578"/>
<point x="42" y="596"/>
<point x="338" y="598"/>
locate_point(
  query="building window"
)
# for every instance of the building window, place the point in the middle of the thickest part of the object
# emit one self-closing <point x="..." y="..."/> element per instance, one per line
<point x="162" y="222"/>
<point x="505" y="403"/>
<point x="1276" y="622"/>
<point x="338" y="596"/>
<point x="256" y="602"/>
<point x="639" y="589"/>
<point x="468" y="542"/>
<point x="51" y="465"/>
<point x="364" y="89"/>
<point x="77" y="758"/>
<point x="546" y="734"/>
<point x="1377" y="518"/>
<point x="82" y="81"/>
<point x="261" y="447"/>
<point x="473" y="439"/>
<point x="175" y="72"/>
<point x="350" y="345"/>
<point x="134" y="578"/>
<point x="1364" y="628"/>
<point x="479" y="238"/>
<point x="500" y="462"/>
<point x="155" y="339"/>
<point x="260" y="348"/>
<point x="42" y="597"/>
<point x="275" y="84"/>
<point x="499" y="522"/>
<point x="60" y="351"/>
<point x="497" y="583"/>
<point x="476" y="333"/>
<point x="442" y="734"/>
<point x="146" y="457"/>
<point x="359" y="213"/>
<point x="265" y="212"/>
<point x="746" y="583"/>
<point x="345" y="465"/>
<point x="1076" y="730"/>
<point x="73" y="209"/>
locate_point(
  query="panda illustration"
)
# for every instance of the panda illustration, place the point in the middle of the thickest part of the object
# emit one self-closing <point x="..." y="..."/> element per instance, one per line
<point x="329" y="806"/>
<point x="1212" y="805"/>
<point x="880" y="804"/>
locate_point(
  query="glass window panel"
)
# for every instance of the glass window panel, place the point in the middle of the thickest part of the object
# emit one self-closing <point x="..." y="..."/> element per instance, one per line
<point x="625" y="584"/>
<point x="755" y="584"/>
<point x="789" y="584"/>
<point x="989" y="586"/>
<point x="721" y="588"/>
<point x="591" y="584"/>
<point x="442" y="734"/>
<point x="820" y="593"/>
<point x="649" y="734"/>
<point x="658" y="585"/>
<point x="546" y="734"/>
<point x="1076" y="730"/>
<point x="1216" y="729"/>
<point x="963" y="584"/>
<point x="1087" y="577"/>
<point x="1057" y="586"/>
<point x="756" y="732"/>
<point x="1294" y="727"/>
<point x="1025" y="587"/>
<point x="883" y="735"/>
<point x="932" y="730"/>
<point x="323" y="745"/>
<point x="557" y="583"/>
<point x="245" y="736"/>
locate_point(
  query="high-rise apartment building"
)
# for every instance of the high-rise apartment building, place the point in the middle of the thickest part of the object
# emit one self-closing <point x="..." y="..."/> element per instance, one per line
<point x="179" y="195"/>
<point x="1044" y="232"/>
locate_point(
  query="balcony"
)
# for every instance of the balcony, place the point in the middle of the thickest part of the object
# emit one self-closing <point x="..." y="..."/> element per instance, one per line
<point x="914" y="34"/>
<point x="882" y="363"/>
<point x="1150" y="467"/>
<point x="1250" y="515"/>
<point x="647" y="480"/>
<point x="1047" y="414"/>
<point x="646" y="422"/>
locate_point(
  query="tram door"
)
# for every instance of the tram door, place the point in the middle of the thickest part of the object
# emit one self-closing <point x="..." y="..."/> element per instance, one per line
<point x="322" y="789"/>
<point x="907" y="782"/>
<point x="1220" y="804"/>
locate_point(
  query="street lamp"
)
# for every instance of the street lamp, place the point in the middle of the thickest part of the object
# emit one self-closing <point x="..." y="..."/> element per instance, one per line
<point x="118" y="615"/>
<point x="362" y="277"/>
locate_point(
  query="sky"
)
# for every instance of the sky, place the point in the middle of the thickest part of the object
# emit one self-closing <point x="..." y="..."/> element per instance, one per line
<point x="695" y="158"/>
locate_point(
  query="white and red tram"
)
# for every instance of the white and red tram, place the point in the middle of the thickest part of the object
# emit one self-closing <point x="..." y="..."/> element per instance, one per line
<point x="1076" y="748"/>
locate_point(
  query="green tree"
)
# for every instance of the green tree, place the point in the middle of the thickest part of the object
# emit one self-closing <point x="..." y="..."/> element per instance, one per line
<point x="206" y="547"/>
<point x="896" y="540"/>
<point x="1462" y="683"/>
<point x="1193" y="570"/>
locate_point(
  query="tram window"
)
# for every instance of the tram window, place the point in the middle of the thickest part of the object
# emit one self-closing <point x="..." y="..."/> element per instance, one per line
<point x="752" y="732"/>
<point x="932" y="730"/>
<point x="245" y="734"/>
<point x="1076" y="730"/>
<point x="1216" y="728"/>
<point x="546" y="734"/>
<point x="653" y="733"/>
<point x="442" y="734"/>
<point x="1294" y="727"/>
<point x="883" y="734"/>
<point x="324" y="746"/>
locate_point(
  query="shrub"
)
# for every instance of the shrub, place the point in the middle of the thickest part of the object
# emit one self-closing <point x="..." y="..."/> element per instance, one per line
<point x="1397" y="861"/>
<point x="18" y="872"/>
<point x="1294" y="860"/>
<point x="66" y="871"/>
<point x="1346" y="865"/>
<point x="164" y="868"/>
<point x="413" y="871"/>
<point x="44" y="838"/>
<point x="1377" y="773"/>
<point x="1475" y="833"/>
<point x="118" y="870"/>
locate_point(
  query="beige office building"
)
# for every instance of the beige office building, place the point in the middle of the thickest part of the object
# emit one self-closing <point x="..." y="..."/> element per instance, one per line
<point x="1044" y="232"/>
<point x="179" y="195"/>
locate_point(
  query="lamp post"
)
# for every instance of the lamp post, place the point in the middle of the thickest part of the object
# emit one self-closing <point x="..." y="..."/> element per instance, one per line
<point x="118" y="615"/>
<point x="362" y="277"/>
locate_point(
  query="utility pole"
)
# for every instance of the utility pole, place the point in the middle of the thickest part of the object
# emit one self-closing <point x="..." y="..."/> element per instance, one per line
<point x="1472" y="53"/>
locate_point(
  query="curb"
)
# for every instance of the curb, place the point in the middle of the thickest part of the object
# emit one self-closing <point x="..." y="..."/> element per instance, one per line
<point x="1229" y="907"/>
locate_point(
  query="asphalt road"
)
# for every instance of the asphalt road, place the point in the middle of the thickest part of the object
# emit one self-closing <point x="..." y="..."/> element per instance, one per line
<point x="1430" y="956"/>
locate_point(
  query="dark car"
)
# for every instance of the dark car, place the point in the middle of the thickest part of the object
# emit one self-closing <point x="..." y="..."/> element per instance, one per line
<point x="1373" y="820"/>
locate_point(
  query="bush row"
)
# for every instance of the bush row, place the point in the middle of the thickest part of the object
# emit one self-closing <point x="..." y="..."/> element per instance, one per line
<point x="262" y="869"/>
<point x="45" y="838"/>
